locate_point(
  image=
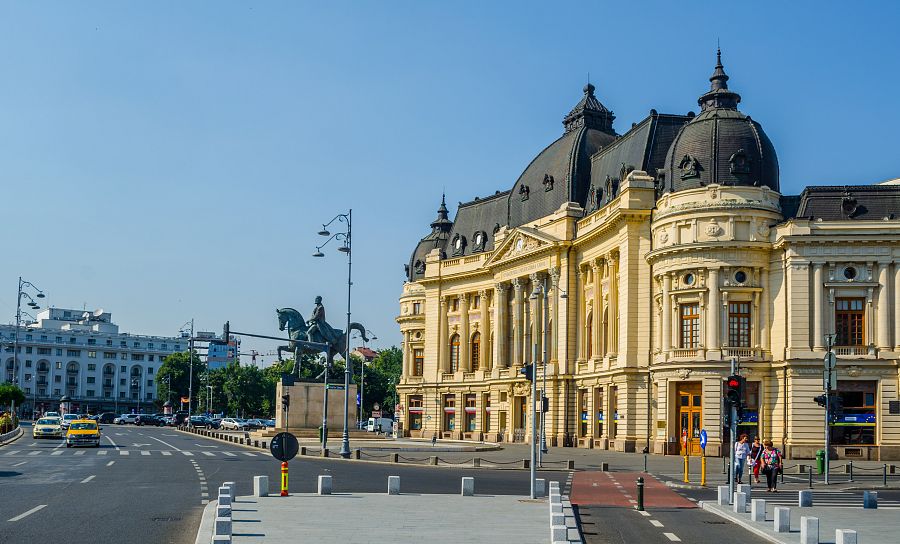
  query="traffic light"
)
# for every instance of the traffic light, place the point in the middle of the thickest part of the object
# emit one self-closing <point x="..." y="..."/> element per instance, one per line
<point x="820" y="400"/>
<point x="528" y="372"/>
<point x="545" y="405"/>
<point x="734" y="390"/>
<point x="285" y="401"/>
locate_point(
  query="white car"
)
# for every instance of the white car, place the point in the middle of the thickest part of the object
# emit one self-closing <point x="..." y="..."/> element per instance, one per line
<point x="233" y="424"/>
<point x="68" y="418"/>
<point x="125" y="418"/>
<point x="52" y="414"/>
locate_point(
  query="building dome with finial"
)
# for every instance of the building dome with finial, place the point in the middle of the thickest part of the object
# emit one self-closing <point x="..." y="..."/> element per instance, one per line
<point x="437" y="239"/>
<point x="721" y="145"/>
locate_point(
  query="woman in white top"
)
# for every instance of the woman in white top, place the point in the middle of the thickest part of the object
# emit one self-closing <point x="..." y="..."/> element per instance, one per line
<point x="741" y="450"/>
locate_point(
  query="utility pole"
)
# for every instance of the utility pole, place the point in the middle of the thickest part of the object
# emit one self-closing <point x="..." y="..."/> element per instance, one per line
<point x="829" y="379"/>
<point x="732" y="431"/>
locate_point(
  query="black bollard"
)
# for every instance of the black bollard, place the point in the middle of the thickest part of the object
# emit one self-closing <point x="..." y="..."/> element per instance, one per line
<point x="810" y="477"/>
<point x="640" y="494"/>
<point x="884" y="475"/>
<point x="851" y="470"/>
<point x="645" y="462"/>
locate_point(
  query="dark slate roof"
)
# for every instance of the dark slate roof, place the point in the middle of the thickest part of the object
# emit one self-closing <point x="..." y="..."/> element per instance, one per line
<point x="482" y="215"/>
<point x="437" y="239"/>
<point x="789" y="205"/>
<point x="643" y="147"/>
<point x="849" y="202"/>
<point x="721" y="145"/>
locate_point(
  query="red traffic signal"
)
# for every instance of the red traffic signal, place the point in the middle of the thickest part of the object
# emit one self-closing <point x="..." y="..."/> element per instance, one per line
<point x="734" y="390"/>
<point x="734" y="383"/>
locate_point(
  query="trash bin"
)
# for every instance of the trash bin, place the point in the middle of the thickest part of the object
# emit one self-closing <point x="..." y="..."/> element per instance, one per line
<point x="820" y="461"/>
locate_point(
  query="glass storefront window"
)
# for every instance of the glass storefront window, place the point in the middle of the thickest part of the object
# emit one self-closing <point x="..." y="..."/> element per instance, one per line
<point x="858" y="424"/>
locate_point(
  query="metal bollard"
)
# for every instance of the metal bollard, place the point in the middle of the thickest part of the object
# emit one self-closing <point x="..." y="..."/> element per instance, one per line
<point x="284" y="479"/>
<point x="850" y="463"/>
<point x="640" y="493"/>
<point x="884" y="474"/>
<point x="703" y="471"/>
<point x="810" y="477"/>
<point x="645" y="463"/>
<point x="687" y="468"/>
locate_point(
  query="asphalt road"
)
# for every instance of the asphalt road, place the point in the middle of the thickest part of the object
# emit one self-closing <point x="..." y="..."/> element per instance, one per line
<point x="149" y="484"/>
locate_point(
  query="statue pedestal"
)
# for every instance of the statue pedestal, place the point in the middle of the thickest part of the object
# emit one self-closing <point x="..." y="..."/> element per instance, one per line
<point x="307" y="403"/>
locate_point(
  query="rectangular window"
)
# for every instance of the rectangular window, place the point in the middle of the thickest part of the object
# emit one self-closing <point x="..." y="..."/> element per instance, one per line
<point x="122" y="382"/>
<point x="454" y="305"/>
<point x="72" y="340"/>
<point x="415" y="410"/>
<point x="124" y="356"/>
<point x="28" y="349"/>
<point x="92" y="341"/>
<point x="27" y="377"/>
<point x="417" y="308"/>
<point x="418" y="362"/>
<point x="164" y="347"/>
<point x="92" y="367"/>
<point x="850" y="321"/>
<point x="91" y="379"/>
<point x="108" y="342"/>
<point x="58" y="352"/>
<point x="585" y="412"/>
<point x="43" y="338"/>
<point x="470" y="412"/>
<point x="122" y="368"/>
<point x="150" y="357"/>
<point x="58" y="365"/>
<point x="137" y="344"/>
<point x="73" y="353"/>
<point x="149" y="345"/>
<point x="739" y="324"/>
<point x="107" y="394"/>
<point x="43" y="351"/>
<point x="109" y="355"/>
<point x="92" y="355"/>
<point x="121" y="394"/>
<point x="59" y="339"/>
<point x="149" y="396"/>
<point x="123" y="344"/>
<point x="149" y="383"/>
<point x="137" y="356"/>
<point x="858" y="423"/>
<point x="27" y="390"/>
<point x="690" y="325"/>
<point x="27" y="363"/>
<point x="476" y="302"/>
<point x="149" y="370"/>
<point x="28" y="338"/>
<point x="449" y="412"/>
<point x="56" y="392"/>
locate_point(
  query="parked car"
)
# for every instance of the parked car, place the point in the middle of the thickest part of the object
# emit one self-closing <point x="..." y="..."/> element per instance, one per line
<point x="147" y="419"/>
<point x="168" y="420"/>
<point x="270" y="423"/>
<point x="106" y="417"/>
<point x="216" y="422"/>
<point x="68" y="419"/>
<point x="47" y="427"/>
<point x="126" y="419"/>
<point x="83" y="432"/>
<point x="253" y="424"/>
<point x="201" y="421"/>
<point x="180" y="417"/>
<point x="233" y="424"/>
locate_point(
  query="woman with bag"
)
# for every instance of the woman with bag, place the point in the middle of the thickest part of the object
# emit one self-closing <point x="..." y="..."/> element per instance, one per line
<point x="755" y="457"/>
<point x="771" y="461"/>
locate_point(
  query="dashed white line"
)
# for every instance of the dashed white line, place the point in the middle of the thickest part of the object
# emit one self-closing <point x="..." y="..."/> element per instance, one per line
<point x="80" y="452"/>
<point x="123" y="452"/>
<point x="110" y="463"/>
<point x="208" y="453"/>
<point x="89" y="478"/>
<point x="61" y="444"/>
<point x="643" y="513"/>
<point x="145" y="452"/>
<point x="36" y="452"/>
<point x="20" y="464"/>
<point x="164" y="452"/>
<point x="672" y="537"/>
<point x="188" y="453"/>
<point x="28" y="513"/>
<point x="102" y="452"/>
<point x="229" y="454"/>
<point x="249" y="454"/>
<point x="13" y="452"/>
<point x="655" y="523"/>
<point x="56" y="452"/>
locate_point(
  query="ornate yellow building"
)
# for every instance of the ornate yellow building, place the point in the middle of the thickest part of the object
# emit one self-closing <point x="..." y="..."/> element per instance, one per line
<point x="638" y="266"/>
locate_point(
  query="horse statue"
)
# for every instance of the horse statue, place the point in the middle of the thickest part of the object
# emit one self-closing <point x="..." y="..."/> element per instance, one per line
<point x="292" y="320"/>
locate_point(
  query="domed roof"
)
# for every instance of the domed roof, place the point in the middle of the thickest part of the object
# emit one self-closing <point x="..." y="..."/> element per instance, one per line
<point x="721" y="145"/>
<point x="437" y="239"/>
<point x="562" y="171"/>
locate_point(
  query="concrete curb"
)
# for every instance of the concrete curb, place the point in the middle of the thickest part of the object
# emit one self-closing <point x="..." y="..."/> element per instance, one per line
<point x="682" y="486"/>
<point x="207" y="523"/>
<point x="12" y="436"/>
<point x="338" y="458"/>
<point x="743" y="523"/>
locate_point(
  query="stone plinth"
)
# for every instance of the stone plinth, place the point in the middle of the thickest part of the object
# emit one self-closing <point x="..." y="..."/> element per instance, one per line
<point x="307" y="402"/>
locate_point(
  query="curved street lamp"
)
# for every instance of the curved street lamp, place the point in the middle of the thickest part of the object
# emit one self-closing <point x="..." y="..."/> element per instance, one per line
<point x="345" y="238"/>
<point x="23" y="284"/>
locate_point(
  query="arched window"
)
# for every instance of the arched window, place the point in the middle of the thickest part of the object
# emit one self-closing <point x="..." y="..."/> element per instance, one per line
<point x="589" y="337"/>
<point x="475" y="354"/>
<point x="454" y="353"/>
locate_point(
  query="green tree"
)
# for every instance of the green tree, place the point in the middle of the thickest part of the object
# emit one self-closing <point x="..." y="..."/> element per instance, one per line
<point x="10" y="392"/>
<point x="245" y="389"/>
<point x="381" y="379"/>
<point x="173" y="376"/>
<point x="216" y="379"/>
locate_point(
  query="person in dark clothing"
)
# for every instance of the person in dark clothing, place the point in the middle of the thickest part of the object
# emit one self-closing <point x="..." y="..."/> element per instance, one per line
<point x="771" y="462"/>
<point x="755" y="456"/>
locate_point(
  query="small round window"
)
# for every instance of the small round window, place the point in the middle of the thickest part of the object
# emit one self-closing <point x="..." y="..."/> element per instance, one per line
<point x="850" y="273"/>
<point x="740" y="276"/>
<point x="688" y="279"/>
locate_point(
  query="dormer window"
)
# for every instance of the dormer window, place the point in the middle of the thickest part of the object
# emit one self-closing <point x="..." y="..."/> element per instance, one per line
<point x="523" y="192"/>
<point x="479" y="239"/>
<point x="740" y="163"/>
<point x="459" y="245"/>
<point x="690" y="167"/>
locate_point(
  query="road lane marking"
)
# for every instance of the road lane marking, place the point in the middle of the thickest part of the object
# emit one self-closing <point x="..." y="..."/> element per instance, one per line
<point x="123" y="452"/>
<point x="188" y="453"/>
<point x="208" y="453"/>
<point x="248" y="453"/>
<point x="36" y="452"/>
<point x="20" y="464"/>
<point x="643" y="513"/>
<point x="56" y="453"/>
<point x="166" y="443"/>
<point x="110" y="463"/>
<point x="164" y="452"/>
<point x="655" y="523"/>
<point x="672" y="537"/>
<point x="202" y="446"/>
<point x="89" y="478"/>
<point x="102" y="452"/>
<point x="61" y="444"/>
<point x="81" y="452"/>
<point x="229" y="454"/>
<point x="28" y="513"/>
<point x="111" y="441"/>
<point x="13" y="452"/>
<point x="145" y="452"/>
<point x="204" y="494"/>
<point x="204" y="501"/>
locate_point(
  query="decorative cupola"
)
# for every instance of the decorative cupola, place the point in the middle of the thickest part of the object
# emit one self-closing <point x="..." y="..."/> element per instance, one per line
<point x="719" y="96"/>
<point x="590" y="113"/>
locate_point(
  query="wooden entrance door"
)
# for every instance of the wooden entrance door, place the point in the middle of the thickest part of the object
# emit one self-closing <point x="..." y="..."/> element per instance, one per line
<point x="690" y="417"/>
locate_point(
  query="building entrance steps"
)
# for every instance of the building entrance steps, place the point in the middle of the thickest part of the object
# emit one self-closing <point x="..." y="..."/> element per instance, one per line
<point x="620" y="489"/>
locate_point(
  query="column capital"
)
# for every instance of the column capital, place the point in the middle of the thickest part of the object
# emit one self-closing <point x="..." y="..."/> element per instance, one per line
<point x="501" y="287"/>
<point x="517" y="284"/>
<point x="483" y="293"/>
<point x="554" y="274"/>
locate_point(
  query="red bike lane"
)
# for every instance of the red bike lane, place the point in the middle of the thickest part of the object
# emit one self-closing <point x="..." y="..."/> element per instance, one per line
<point x="620" y="489"/>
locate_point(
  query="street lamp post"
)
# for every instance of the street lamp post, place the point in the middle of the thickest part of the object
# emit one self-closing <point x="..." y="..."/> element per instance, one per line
<point x="191" y="365"/>
<point x="362" y="381"/>
<point x="345" y="248"/>
<point x="34" y="305"/>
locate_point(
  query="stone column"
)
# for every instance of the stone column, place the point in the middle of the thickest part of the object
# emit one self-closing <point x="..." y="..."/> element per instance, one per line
<point x="897" y="307"/>
<point x="485" y="355"/>
<point x="554" y="313"/>
<point x="407" y="354"/>
<point x="465" y="363"/>
<point x="818" y="308"/>
<point x="884" y="334"/>
<point x="537" y="316"/>
<point x="714" y="317"/>
<point x="443" y="339"/>
<point x="500" y="329"/>
<point x="765" y="331"/>
<point x="597" y="311"/>
<point x="518" y="318"/>
<point x="612" y="341"/>
<point x="666" y="314"/>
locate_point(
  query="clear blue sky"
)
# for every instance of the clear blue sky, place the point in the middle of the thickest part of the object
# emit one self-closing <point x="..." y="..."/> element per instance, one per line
<point x="169" y="160"/>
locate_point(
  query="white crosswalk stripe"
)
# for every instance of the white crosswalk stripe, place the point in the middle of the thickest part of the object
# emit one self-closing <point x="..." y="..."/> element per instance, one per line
<point x="80" y="452"/>
<point x="145" y="452"/>
<point x="248" y="453"/>
<point x="102" y="452"/>
<point x="229" y="454"/>
<point x="188" y="453"/>
<point x="164" y="452"/>
<point x="123" y="452"/>
<point x="13" y="452"/>
<point x="60" y="452"/>
<point x="208" y="453"/>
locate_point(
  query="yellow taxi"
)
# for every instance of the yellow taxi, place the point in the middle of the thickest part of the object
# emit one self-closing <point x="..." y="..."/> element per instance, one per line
<point x="83" y="432"/>
<point x="47" y="427"/>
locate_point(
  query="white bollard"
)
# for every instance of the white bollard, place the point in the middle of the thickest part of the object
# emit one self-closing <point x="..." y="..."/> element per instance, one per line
<point x="393" y="485"/>
<point x="758" y="510"/>
<point x="223" y="511"/>
<point x="324" y="485"/>
<point x="844" y="536"/>
<point x="221" y="539"/>
<point x="224" y="497"/>
<point x="556" y="508"/>
<point x="223" y="526"/>
<point x="558" y="533"/>
<point x="870" y="499"/>
<point x="723" y="495"/>
<point x="745" y="489"/>
<point x="540" y="487"/>
<point x="232" y="488"/>
<point x="809" y="530"/>
<point x="739" y="503"/>
<point x="554" y="484"/>
<point x="260" y="486"/>
<point x="468" y="486"/>
<point x="804" y="499"/>
<point x="782" y="519"/>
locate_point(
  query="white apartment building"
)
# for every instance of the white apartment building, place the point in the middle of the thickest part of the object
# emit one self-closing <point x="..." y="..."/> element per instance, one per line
<point x="82" y="355"/>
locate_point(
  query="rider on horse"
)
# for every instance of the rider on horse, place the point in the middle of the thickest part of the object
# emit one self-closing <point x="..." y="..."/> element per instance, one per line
<point x="319" y="330"/>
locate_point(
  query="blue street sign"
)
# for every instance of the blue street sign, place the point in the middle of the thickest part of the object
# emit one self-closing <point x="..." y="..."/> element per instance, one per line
<point x="357" y="399"/>
<point x="703" y="439"/>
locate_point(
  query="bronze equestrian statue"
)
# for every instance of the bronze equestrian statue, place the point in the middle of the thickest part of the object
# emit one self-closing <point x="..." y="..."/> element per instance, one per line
<point x="314" y="330"/>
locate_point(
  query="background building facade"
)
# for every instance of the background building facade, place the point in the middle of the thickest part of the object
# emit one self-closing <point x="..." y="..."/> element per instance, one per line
<point x="641" y="264"/>
<point x="83" y="355"/>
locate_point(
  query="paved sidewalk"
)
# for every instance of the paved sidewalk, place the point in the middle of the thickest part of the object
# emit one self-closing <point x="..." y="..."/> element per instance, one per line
<point x="870" y="525"/>
<point x="379" y="518"/>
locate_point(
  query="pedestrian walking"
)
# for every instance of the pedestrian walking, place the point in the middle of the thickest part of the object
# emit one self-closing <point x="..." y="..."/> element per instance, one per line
<point x="756" y="451"/>
<point x="771" y="461"/>
<point x="741" y="451"/>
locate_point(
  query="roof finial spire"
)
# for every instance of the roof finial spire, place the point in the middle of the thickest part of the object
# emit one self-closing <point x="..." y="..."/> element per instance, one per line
<point x="718" y="95"/>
